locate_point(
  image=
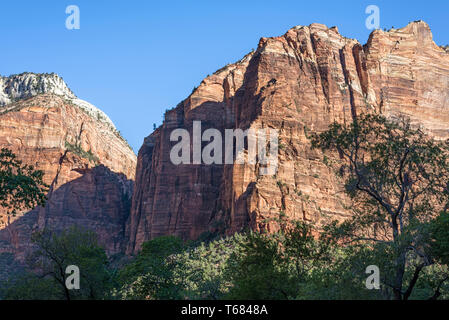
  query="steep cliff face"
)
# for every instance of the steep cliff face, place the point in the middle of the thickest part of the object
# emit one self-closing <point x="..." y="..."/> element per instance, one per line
<point x="297" y="83"/>
<point x="98" y="200"/>
<point x="27" y="85"/>
<point x="87" y="164"/>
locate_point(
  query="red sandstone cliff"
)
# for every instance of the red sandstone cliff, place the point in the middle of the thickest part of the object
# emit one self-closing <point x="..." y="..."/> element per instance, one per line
<point x="296" y="83"/>
<point x="88" y="165"/>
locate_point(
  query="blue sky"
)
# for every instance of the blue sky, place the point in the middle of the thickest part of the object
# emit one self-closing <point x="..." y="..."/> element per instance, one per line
<point x="135" y="59"/>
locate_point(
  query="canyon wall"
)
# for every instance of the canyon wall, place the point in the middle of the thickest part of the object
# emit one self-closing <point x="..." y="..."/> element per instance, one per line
<point x="88" y="165"/>
<point x="296" y="83"/>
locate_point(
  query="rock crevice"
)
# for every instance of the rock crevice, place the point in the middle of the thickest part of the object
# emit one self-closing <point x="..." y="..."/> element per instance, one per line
<point x="297" y="83"/>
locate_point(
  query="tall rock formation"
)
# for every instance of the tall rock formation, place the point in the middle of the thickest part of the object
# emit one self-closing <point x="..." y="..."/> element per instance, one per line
<point x="87" y="164"/>
<point x="296" y="83"/>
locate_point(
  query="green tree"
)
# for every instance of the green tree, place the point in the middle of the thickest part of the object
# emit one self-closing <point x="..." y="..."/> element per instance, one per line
<point x="21" y="186"/>
<point x="206" y="264"/>
<point x="167" y="268"/>
<point x="276" y="266"/>
<point x="397" y="178"/>
<point x="342" y="276"/>
<point x="153" y="273"/>
<point x="257" y="272"/>
<point x="303" y="250"/>
<point x="439" y="229"/>
<point x="29" y="286"/>
<point x="75" y="246"/>
<point x="439" y="246"/>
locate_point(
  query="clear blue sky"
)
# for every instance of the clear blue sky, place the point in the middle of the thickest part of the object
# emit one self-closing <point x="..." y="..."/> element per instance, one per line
<point x="134" y="59"/>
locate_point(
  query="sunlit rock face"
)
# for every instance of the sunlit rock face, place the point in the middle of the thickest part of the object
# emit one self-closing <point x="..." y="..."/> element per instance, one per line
<point x="89" y="167"/>
<point x="26" y="85"/>
<point x="296" y="83"/>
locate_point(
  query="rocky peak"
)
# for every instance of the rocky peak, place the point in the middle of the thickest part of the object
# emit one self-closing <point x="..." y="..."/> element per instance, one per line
<point x="417" y="33"/>
<point x="87" y="164"/>
<point x="48" y="127"/>
<point x="299" y="82"/>
<point x="26" y="85"/>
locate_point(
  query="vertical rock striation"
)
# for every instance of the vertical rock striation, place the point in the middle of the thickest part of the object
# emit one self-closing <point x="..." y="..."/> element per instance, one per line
<point x="87" y="164"/>
<point x="296" y="83"/>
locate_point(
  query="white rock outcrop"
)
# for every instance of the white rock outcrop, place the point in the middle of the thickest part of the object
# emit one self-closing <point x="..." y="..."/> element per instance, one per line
<point x="26" y="85"/>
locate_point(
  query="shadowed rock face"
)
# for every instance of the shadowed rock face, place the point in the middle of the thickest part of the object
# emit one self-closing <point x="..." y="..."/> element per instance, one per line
<point x="297" y="83"/>
<point x="99" y="201"/>
<point x="56" y="136"/>
<point x="87" y="164"/>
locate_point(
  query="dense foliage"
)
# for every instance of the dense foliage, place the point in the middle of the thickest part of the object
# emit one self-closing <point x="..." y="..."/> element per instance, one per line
<point x="46" y="278"/>
<point x="21" y="186"/>
<point x="397" y="179"/>
<point x="287" y="265"/>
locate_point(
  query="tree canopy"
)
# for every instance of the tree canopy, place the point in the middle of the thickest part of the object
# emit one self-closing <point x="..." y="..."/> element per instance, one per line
<point x="21" y="186"/>
<point x="397" y="178"/>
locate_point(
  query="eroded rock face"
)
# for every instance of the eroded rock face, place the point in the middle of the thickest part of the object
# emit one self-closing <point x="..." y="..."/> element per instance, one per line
<point x="57" y="137"/>
<point x="26" y="85"/>
<point x="99" y="200"/>
<point x="87" y="164"/>
<point x="297" y="83"/>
